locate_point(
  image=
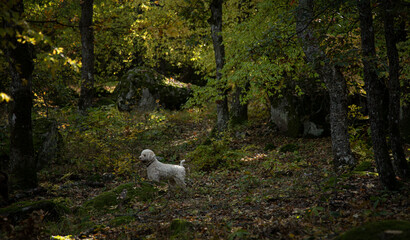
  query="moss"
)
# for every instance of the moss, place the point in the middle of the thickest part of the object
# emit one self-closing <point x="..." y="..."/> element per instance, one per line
<point x="364" y="166"/>
<point x="214" y="155"/>
<point x="269" y="147"/>
<point x="142" y="191"/>
<point x="20" y="210"/>
<point x="389" y="229"/>
<point x="180" y="229"/>
<point x="102" y="201"/>
<point x="291" y="147"/>
<point x="123" y="220"/>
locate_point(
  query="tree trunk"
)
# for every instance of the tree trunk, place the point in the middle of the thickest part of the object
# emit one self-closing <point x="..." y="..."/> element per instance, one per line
<point x="87" y="43"/>
<point x="374" y="88"/>
<point x="219" y="49"/>
<point x="20" y="58"/>
<point x="400" y="164"/>
<point x="335" y="83"/>
<point x="239" y="110"/>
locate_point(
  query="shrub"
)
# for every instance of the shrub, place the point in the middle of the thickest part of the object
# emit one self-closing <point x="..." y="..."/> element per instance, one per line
<point x="214" y="155"/>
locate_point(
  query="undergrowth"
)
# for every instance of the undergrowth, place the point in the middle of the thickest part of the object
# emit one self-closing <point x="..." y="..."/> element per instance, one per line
<point x="248" y="183"/>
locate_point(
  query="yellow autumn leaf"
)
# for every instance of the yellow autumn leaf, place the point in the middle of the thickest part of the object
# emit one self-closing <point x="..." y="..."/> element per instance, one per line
<point x="4" y="97"/>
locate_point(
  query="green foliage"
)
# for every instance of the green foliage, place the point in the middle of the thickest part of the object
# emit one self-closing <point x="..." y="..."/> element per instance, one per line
<point x="214" y="154"/>
<point x="389" y="229"/>
<point x="360" y="141"/>
<point x="89" y="139"/>
<point x="359" y="133"/>
<point x="260" y="50"/>
<point x="365" y="166"/>
<point x="171" y="36"/>
<point x="180" y="229"/>
<point x="259" y="38"/>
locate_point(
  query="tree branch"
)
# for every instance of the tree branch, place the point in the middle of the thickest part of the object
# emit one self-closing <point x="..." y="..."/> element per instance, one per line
<point x="51" y="21"/>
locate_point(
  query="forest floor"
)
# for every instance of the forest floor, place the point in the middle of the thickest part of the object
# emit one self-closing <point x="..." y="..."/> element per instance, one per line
<point x="262" y="185"/>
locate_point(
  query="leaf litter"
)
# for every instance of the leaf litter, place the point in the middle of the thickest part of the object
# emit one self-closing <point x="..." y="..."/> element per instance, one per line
<point x="268" y="194"/>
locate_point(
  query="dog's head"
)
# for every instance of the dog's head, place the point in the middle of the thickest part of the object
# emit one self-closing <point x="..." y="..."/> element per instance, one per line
<point x="147" y="155"/>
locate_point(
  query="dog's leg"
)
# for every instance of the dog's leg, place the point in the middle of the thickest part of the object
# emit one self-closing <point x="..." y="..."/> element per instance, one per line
<point x="180" y="183"/>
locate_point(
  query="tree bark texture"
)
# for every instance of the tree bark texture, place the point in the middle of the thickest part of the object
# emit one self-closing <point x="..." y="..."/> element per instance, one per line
<point x="22" y="164"/>
<point x="335" y="83"/>
<point x="239" y="109"/>
<point x="219" y="50"/>
<point x="375" y="88"/>
<point x="400" y="164"/>
<point x="87" y="44"/>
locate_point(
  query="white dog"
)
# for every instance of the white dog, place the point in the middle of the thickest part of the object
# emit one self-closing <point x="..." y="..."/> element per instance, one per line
<point x="158" y="171"/>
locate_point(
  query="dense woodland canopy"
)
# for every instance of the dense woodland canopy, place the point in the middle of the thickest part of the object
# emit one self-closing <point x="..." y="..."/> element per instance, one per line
<point x="293" y="116"/>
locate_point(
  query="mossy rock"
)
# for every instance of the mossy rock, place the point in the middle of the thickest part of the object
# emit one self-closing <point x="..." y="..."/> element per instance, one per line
<point x="215" y="155"/>
<point x="291" y="147"/>
<point x="180" y="229"/>
<point x="102" y="201"/>
<point x="269" y="147"/>
<point x="145" y="89"/>
<point x="142" y="191"/>
<point x="389" y="229"/>
<point x="21" y="210"/>
<point x="123" y="220"/>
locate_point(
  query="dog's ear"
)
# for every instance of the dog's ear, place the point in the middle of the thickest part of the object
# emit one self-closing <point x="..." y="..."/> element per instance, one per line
<point x="151" y="155"/>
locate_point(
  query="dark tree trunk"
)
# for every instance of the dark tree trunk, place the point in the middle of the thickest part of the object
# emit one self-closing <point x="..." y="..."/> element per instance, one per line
<point x="239" y="109"/>
<point x="375" y="88"/>
<point x="20" y="58"/>
<point x="87" y="43"/>
<point x="399" y="159"/>
<point x="334" y="80"/>
<point x="219" y="49"/>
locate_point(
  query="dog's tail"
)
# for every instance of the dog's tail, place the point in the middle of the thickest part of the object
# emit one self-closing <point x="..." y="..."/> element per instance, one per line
<point x="182" y="163"/>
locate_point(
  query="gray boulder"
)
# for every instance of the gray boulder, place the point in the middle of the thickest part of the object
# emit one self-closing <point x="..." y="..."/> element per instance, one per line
<point x="297" y="116"/>
<point x="144" y="89"/>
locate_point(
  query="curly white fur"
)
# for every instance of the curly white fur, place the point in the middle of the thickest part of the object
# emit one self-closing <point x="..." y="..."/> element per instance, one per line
<point x="158" y="171"/>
